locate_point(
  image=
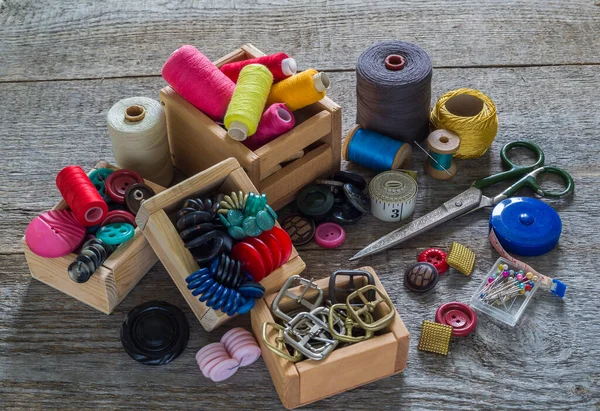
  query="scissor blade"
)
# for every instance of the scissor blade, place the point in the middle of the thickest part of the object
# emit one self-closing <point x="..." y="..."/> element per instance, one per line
<point x="458" y="205"/>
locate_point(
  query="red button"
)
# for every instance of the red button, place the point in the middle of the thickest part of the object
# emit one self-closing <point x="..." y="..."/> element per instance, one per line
<point x="435" y="257"/>
<point x="250" y="259"/>
<point x="118" y="216"/>
<point x="330" y="235"/>
<point x="274" y="248"/>
<point x="265" y="253"/>
<point x="285" y="242"/>
<point x="460" y="316"/>
<point x="118" y="182"/>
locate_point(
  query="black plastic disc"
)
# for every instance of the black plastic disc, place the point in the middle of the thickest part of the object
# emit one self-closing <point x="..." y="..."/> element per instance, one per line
<point x="155" y="333"/>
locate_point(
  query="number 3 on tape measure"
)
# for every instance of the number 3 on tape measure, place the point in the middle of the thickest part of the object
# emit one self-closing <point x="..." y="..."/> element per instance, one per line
<point x="393" y="196"/>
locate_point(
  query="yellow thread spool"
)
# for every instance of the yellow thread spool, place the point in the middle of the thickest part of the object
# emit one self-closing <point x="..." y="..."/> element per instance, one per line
<point x="248" y="101"/>
<point x="300" y="90"/>
<point x="470" y="114"/>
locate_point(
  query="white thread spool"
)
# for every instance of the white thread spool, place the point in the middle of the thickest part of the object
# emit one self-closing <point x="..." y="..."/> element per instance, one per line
<point x="393" y="195"/>
<point x="138" y="131"/>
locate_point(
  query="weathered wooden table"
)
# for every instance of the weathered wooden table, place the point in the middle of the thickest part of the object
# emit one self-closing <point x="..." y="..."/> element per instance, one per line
<point x="63" y="65"/>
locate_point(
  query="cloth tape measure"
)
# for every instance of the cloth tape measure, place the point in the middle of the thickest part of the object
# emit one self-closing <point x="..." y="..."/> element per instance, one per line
<point x="393" y="195"/>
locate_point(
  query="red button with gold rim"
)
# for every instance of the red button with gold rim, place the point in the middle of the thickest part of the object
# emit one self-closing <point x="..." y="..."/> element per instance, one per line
<point x="435" y="257"/>
<point x="459" y="316"/>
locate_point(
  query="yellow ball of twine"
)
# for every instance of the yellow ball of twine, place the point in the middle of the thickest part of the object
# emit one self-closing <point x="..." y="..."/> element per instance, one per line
<point x="471" y="115"/>
<point x="248" y="101"/>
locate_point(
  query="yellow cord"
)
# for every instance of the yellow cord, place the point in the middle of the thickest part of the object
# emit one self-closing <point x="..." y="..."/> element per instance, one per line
<point x="297" y="91"/>
<point x="249" y="98"/>
<point x="470" y="114"/>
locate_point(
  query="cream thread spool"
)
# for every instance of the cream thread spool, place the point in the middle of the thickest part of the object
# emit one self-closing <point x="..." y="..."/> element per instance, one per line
<point x="393" y="195"/>
<point x="138" y="132"/>
<point x="442" y="146"/>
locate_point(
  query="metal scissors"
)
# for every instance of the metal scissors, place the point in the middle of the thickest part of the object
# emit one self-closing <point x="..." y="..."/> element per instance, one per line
<point x="473" y="198"/>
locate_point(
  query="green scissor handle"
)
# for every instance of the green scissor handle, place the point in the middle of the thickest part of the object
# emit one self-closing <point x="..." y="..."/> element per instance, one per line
<point x="530" y="180"/>
<point x="514" y="170"/>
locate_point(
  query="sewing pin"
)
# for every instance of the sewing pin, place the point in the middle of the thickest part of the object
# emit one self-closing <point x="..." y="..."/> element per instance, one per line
<point x="431" y="157"/>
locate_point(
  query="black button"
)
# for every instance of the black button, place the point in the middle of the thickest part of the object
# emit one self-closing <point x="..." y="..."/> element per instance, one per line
<point x="348" y="177"/>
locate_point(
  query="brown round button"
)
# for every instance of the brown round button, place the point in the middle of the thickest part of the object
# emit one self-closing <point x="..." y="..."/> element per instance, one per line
<point x="135" y="194"/>
<point x="118" y="183"/>
<point x="421" y="277"/>
<point x="300" y="229"/>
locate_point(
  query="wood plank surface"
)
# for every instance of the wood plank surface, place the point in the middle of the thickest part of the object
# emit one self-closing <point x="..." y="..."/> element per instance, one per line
<point x="63" y="65"/>
<point x="72" y="39"/>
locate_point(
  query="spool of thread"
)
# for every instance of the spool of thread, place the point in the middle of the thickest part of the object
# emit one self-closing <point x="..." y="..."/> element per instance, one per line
<point x="393" y="90"/>
<point x="248" y="101"/>
<point x="199" y="81"/>
<point x="442" y="146"/>
<point x="82" y="197"/>
<point x="393" y="195"/>
<point x="275" y="121"/>
<point x="138" y="131"/>
<point x="280" y="65"/>
<point x="472" y="116"/>
<point x="375" y="151"/>
<point x="300" y="90"/>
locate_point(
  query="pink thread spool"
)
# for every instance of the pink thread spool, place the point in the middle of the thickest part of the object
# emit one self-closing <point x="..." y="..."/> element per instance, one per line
<point x="275" y="121"/>
<point x="279" y="64"/>
<point x="199" y="81"/>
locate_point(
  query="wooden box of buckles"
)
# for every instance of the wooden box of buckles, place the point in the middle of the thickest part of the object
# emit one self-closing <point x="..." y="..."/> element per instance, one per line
<point x="275" y="168"/>
<point x="345" y="368"/>
<point x="112" y="281"/>
<point x="156" y="219"/>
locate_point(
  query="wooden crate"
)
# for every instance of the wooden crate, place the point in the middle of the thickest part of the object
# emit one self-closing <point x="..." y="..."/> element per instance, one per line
<point x="156" y="218"/>
<point x="345" y="368"/>
<point x="318" y="132"/>
<point x="112" y="281"/>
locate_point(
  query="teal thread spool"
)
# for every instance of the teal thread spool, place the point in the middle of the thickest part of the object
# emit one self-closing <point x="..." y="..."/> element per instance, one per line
<point x="442" y="146"/>
<point x="375" y="151"/>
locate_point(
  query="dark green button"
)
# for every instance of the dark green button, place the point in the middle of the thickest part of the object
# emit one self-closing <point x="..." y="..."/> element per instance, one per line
<point x="315" y="200"/>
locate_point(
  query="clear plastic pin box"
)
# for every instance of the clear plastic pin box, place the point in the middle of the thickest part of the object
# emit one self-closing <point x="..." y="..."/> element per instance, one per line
<point x="499" y="305"/>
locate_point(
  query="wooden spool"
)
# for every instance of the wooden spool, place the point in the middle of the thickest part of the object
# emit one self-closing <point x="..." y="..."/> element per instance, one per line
<point x="442" y="142"/>
<point x="401" y="160"/>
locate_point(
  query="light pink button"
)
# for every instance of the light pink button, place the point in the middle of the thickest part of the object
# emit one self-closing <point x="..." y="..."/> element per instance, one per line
<point x="246" y="354"/>
<point x="54" y="234"/>
<point x="330" y="235"/>
<point x="233" y="334"/>
<point x="223" y="370"/>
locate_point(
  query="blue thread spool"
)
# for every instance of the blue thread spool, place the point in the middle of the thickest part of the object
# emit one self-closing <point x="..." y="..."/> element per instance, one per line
<point x="375" y="151"/>
<point x="442" y="146"/>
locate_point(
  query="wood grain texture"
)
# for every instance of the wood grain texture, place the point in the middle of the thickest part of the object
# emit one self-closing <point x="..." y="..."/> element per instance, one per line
<point x="55" y="352"/>
<point x="72" y="39"/>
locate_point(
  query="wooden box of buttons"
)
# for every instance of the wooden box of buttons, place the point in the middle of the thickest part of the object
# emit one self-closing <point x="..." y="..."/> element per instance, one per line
<point x="111" y="281"/>
<point x="280" y="168"/>
<point x="345" y="368"/>
<point x="157" y="219"/>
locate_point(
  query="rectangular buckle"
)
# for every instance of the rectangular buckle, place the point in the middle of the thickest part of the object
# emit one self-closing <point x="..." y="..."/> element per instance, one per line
<point x="299" y="298"/>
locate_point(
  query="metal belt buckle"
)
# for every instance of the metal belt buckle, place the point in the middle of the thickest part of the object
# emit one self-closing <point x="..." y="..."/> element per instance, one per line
<point x="307" y="284"/>
<point x="281" y="348"/>
<point x="369" y="306"/>
<point x="316" y="343"/>
<point x="349" y="324"/>
<point x="351" y="287"/>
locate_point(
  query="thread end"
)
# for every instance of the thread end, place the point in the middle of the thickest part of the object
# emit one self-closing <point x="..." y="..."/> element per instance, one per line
<point x="321" y="82"/>
<point x="289" y="66"/>
<point x="238" y="131"/>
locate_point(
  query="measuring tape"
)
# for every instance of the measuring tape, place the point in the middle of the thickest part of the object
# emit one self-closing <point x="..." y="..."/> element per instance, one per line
<point x="393" y="195"/>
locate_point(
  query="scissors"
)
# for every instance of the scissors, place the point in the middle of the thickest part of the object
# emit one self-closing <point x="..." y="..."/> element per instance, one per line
<point x="473" y="198"/>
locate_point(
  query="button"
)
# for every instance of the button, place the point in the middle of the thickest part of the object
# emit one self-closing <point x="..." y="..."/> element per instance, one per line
<point x="193" y="218"/>
<point x="209" y="245"/>
<point x="348" y="177"/>
<point x="284" y="241"/>
<point x="119" y="181"/>
<point x="98" y="178"/>
<point x="54" y="234"/>
<point x="315" y="201"/>
<point x="265" y="253"/>
<point x="251" y="260"/>
<point x="118" y="216"/>
<point x="346" y="214"/>
<point x="330" y="235"/>
<point x="421" y="277"/>
<point x="115" y="233"/>
<point x="135" y="194"/>
<point x="459" y="316"/>
<point x="197" y="230"/>
<point x="155" y="333"/>
<point x="436" y="257"/>
<point x="251" y="290"/>
<point x="271" y="242"/>
<point x="300" y="229"/>
<point x="357" y="198"/>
